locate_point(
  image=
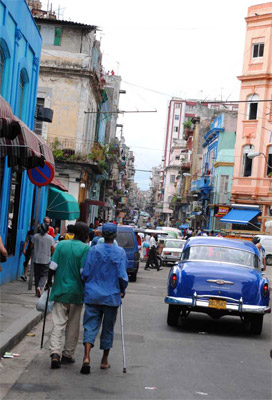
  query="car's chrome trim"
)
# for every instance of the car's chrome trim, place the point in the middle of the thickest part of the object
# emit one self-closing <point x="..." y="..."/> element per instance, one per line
<point x="220" y="281"/>
<point x="198" y="301"/>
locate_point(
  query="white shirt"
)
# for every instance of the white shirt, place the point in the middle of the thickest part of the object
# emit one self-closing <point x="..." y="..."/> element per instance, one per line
<point x="153" y="242"/>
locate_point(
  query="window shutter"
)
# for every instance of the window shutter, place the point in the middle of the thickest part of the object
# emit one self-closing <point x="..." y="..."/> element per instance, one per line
<point x="58" y="32"/>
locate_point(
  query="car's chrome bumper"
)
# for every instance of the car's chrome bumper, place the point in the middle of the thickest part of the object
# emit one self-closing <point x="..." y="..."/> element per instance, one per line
<point x="203" y="301"/>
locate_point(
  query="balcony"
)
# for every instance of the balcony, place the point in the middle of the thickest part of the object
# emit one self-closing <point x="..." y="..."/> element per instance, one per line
<point x="202" y="184"/>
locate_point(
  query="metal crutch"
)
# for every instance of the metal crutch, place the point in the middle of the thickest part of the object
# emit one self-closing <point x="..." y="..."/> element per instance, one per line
<point x="123" y="339"/>
<point x="44" y="317"/>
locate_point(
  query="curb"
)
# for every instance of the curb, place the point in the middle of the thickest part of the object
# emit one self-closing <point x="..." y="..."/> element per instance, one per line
<point x="17" y="331"/>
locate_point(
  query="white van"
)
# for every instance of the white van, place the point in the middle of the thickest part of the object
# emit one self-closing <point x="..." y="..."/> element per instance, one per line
<point x="266" y="242"/>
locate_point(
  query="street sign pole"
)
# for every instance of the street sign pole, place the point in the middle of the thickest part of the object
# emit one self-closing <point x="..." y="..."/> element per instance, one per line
<point x="36" y="223"/>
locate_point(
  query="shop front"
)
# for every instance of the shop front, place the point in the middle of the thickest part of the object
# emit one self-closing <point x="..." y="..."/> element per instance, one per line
<point x="20" y="150"/>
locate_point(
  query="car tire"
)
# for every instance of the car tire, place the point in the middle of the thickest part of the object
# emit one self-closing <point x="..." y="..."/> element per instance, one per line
<point x="256" y="324"/>
<point x="133" y="277"/>
<point x="173" y="315"/>
<point x="269" y="259"/>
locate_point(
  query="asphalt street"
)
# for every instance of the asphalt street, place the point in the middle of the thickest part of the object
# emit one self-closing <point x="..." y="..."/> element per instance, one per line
<point x="206" y="358"/>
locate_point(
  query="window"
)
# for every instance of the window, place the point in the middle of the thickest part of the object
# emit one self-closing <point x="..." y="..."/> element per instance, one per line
<point x="252" y="106"/>
<point x="269" y="161"/>
<point x="14" y="200"/>
<point x="177" y="106"/>
<point x="38" y="124"/>
<point x="223" y="189"/>
<point x="58" y="34"/>
<point x="176" y="128"/>
<point x="20" y="96"/>
<point x="177" y="157"/>
<point x="172" y="178"/>
<point x="125" y="240"/>
<point x="247" y="162"/>
<point x="257" y="50"/>
<point x="23" y="80"/>
<point x="222" y="255"/>
<point x="2" y="64"/>
<point x="176" y="117"/>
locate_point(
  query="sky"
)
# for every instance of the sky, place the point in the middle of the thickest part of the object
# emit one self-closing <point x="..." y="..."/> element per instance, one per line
<point x="192" y="49"/>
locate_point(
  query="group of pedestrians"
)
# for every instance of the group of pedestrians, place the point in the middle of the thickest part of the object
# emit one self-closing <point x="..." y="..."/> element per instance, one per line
<point x="95" y="276"/>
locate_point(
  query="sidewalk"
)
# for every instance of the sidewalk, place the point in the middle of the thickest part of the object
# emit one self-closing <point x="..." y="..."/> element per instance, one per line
<point x="18" y="313"/>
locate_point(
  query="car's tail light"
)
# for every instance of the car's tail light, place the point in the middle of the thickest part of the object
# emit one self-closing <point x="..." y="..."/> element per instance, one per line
<point x="174" y="280"/>
<point x="265" y="290"/>
<point x="167" y="253"/>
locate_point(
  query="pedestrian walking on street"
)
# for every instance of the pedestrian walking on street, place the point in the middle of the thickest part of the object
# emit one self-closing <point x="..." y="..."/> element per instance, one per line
<point x="152" y="255"/>
<point x="27" y="249"/>
<point x="51" y="231"/>
<point x="70" y="232"/>
<point x="44" y="246"/>
<point x="67" y="293"/>
<point x="97" y="236"/>
<point x="105" y="280"/>
<point x="257" y="241"/>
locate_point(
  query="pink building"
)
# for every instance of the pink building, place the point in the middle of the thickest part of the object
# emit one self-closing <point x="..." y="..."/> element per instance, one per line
<point x="252" y="178"/>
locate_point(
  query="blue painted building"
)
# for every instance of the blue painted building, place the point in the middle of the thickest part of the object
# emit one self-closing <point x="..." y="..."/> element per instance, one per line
<point x="214" y="184"/>
<point x="20" y="50"/>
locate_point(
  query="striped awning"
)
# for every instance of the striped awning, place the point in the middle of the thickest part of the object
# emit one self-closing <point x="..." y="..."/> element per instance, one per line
<point x="22" y="146"/>
<point x="9" y="126"/>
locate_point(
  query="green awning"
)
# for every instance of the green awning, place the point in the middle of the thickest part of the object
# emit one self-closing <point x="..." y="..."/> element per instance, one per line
<point x="62" y="205"/>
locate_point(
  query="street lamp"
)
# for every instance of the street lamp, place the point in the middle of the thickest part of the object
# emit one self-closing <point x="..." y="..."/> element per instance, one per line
<point x="257" y="154"/>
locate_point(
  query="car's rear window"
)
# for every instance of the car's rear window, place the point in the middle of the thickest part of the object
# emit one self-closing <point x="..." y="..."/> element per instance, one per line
<point x="125" y="240"/>
<point x="221" y="254"/>
<point x="173" y="243"/>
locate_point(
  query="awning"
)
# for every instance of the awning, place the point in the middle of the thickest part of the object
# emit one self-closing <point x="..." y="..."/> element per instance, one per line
<point x="59" y="184"/>
<point x="9" y="127"/>
<point x="22" y="146"/>
<point x="62" y="205"/>
<point x="240" y="216"/>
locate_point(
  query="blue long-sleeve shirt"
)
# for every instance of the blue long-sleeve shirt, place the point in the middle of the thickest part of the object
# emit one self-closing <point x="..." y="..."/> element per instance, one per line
<point x="105" y="275"/>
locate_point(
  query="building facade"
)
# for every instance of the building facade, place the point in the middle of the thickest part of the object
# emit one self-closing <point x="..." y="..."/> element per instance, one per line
<point x="252" y="184"/>
<point x="20" y="50"/>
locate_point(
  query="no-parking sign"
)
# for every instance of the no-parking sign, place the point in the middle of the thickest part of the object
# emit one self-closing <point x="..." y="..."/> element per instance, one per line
<point x="41" y="176"/>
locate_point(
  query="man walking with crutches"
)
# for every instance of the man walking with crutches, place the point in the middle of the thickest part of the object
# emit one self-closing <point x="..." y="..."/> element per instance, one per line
<point x="67" y="293"/>
<point x="105" y="279"/>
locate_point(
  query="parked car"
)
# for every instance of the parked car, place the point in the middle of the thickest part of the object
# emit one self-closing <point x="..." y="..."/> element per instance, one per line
<point x="174" y="232"/>
<point x="172" y="250"/>
<point x="218" y="277"/>
<point x="126" y="238"/>
<point x="266" y="242"/>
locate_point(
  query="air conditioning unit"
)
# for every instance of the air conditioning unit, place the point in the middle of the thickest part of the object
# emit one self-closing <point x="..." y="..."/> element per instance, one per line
<point x="44" y="114"/>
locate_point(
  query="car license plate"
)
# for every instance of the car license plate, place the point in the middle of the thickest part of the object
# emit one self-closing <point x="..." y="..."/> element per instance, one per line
<point x="176" y="254"/>
<point x="219" y="304"/>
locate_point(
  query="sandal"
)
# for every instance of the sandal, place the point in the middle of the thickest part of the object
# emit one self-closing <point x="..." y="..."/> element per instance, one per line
<point x="85" y="369"/>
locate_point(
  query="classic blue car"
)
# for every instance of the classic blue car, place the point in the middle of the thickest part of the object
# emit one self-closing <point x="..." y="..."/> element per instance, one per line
<point x="219" y="277"/>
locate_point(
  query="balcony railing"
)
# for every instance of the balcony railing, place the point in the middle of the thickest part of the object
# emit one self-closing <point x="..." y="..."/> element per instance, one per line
<point x="70" y="145"/>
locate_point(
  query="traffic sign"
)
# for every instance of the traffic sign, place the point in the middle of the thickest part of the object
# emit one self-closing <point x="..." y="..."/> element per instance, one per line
<point x="41" y="176"/>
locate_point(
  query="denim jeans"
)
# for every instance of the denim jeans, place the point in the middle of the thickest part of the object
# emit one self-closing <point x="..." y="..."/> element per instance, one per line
<point x="94" y="315"/>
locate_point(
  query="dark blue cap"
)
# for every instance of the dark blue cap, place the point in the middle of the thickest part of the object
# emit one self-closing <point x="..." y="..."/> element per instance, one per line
<point x="109" y="229"/>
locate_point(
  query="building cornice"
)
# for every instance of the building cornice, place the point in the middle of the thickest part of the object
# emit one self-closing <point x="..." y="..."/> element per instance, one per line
<point x="258" y="18"/>
<point x="253" y="77"/>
